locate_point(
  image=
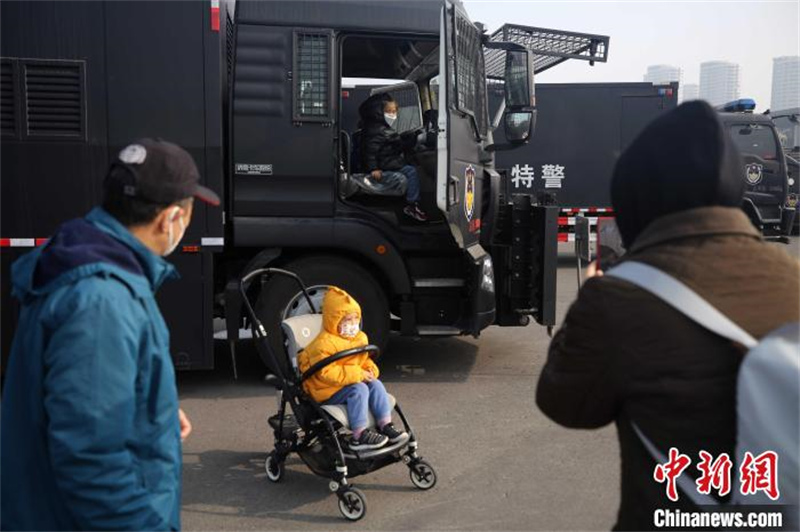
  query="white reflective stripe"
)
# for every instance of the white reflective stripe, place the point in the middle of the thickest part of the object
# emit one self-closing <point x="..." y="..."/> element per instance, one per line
<point x="23" y="242"/>
<point x="571" y="237"/>
<point x="212" y="241"/>
<point x="214" y="4"/>
<point x="592" y="220"/>
<point x="568" y="210"/>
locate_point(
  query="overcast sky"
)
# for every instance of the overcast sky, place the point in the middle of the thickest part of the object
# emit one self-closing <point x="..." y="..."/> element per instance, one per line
<point x="682" y="34"/>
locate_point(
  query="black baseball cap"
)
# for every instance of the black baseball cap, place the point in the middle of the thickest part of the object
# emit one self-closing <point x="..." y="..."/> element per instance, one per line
<point x="158" y="171"/>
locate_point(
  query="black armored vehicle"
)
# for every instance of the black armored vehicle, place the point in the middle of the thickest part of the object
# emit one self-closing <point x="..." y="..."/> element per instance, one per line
<point x="765" y="167"/>
<point x="254" y="90"/>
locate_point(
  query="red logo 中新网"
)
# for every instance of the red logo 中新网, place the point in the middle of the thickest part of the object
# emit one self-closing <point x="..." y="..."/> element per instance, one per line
<point x="756" y="473"/>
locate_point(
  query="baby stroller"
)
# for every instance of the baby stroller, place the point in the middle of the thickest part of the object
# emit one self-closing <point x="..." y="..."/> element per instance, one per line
<point x="314" y="431"/>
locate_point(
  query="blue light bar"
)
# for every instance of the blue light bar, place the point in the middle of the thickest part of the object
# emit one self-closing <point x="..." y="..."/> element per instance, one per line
<point x="742" y="105"/>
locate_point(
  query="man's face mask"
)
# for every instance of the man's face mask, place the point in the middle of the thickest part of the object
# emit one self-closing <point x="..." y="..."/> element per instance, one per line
<point x="173" y="241"/>
<point x="349" y="328"/>
<point x="390" y="118"/>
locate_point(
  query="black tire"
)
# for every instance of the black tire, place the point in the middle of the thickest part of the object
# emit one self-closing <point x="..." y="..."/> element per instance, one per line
<point x="279" y="291"/>
<point x="422" y="474"/>
<point x="353" y="504"/>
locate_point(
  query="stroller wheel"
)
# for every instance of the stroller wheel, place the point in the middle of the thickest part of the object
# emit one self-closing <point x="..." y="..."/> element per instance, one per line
<point x="352" y="504"/>
<point x="422" y="475"/>
<point x="273" y="467"/>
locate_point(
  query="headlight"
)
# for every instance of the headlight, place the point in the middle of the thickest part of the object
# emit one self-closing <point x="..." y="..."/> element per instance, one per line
<point x="487" y="275"/>
<point x="791" y="181"/>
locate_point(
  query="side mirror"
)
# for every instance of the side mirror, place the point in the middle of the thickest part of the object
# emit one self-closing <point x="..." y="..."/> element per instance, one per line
<point x="519" y="86"/>
<point x="519" y="114"/>
<point x="518" y="125"/>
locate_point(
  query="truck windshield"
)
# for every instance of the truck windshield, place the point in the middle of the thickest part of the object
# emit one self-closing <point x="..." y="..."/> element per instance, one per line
<point x="788" y="132"/>
<point x="755" y="139"/>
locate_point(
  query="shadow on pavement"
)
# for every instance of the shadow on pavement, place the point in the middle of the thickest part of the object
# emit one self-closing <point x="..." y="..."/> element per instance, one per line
<point x="428" y="360"/>
<point x="228" y="483"/>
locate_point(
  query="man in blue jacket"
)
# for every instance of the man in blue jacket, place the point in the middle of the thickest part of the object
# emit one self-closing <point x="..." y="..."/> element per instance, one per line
<point x="91" y="429"/>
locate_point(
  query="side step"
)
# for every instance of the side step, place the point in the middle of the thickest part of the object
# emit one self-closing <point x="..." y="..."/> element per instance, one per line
<point x="438" y="283"/>
<point x="438" y="330"/>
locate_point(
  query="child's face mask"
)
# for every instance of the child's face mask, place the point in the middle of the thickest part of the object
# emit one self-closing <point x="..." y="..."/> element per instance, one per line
<point x="349" y="328"/>
<point x="390" y="118"/>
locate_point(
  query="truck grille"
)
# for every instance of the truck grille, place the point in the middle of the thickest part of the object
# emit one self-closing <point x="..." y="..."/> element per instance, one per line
<point x="8" y="99"/>
<point x="54" y="99"/>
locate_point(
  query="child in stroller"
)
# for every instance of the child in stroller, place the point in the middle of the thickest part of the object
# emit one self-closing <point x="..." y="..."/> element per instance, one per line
<point x="322" y="433"/>
<point x="352" y="381"/>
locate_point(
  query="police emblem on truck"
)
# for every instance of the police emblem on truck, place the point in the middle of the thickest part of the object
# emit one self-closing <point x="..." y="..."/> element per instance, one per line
<point x="753" y="173"/>
<point x="469" y="192"/>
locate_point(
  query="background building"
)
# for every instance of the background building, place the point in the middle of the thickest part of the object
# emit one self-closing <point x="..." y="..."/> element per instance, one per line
<point x="688" y="91"/>
<point x="719" y="82"/>
<point x="661" y="74"/>
<point x="785" y="83"/>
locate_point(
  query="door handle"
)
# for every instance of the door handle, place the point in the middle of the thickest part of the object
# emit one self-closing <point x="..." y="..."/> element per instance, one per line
<point x="452" y="191"/>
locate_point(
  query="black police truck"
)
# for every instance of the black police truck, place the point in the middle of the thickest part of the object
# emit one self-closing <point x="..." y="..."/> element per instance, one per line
<point x="765" y="172"/>
<point x="254" y="91"/>
<point x="582" y="129"/>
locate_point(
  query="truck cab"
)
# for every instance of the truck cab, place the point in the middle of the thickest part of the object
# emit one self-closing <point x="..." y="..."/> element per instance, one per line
<point x="765" y="168"/>
<point x="296" y="191"/>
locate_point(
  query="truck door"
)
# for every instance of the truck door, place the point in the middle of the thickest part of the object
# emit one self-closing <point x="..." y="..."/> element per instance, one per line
<point x="763" y="171"/>
<point x="463" y="125"/>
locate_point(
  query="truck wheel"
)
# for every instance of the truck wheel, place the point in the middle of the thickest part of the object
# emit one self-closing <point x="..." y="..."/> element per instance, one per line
<point x="281" y="298"/>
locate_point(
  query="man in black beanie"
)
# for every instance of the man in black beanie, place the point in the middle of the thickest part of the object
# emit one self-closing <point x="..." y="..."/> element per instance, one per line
<point x="623" y="355"/>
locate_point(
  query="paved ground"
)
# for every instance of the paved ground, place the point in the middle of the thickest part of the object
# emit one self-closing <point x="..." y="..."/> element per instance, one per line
<point x="501" y="464"/>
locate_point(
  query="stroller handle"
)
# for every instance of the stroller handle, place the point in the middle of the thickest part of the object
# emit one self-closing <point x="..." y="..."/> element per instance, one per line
<point x="373" y="350"/>
<point x="259" y="332"/>
<point x="274" y="271"/>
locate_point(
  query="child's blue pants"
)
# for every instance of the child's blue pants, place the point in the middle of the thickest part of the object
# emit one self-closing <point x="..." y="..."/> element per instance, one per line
<point x="361" y="398"/>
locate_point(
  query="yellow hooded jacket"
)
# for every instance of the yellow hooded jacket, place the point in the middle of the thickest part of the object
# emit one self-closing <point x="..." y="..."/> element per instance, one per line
<point x="332" y="378"/>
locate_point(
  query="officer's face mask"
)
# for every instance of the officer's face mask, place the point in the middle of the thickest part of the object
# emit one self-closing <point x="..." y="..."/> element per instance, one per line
<point x="173" y="241"/>
<point x="349" y="328"/>
<point x="390" y="118"/>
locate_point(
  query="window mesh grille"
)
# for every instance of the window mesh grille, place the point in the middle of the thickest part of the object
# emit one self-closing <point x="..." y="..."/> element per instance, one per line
<point x="549" y="47"/>
<point x="470" y="84"/>
<point x="312" y="76"/>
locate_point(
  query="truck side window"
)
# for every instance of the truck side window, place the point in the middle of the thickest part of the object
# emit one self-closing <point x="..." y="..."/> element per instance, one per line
<point x="409" y="107"/>
<point x="312" y="77"/>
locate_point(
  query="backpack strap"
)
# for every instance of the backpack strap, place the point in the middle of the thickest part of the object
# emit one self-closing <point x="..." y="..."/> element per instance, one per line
<point x="682" y="298"/>
<point x="686" y="301"/>
<point x="685" y="483"/>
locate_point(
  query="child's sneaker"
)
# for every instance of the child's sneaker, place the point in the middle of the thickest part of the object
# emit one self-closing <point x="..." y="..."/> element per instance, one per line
<point x="393" y="433"/>
<point x="413" y="210"/>
<point x="369" y="439"/>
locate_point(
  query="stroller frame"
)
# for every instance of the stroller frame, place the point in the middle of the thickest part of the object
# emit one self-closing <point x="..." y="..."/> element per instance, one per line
<point x="312" y="433"/>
